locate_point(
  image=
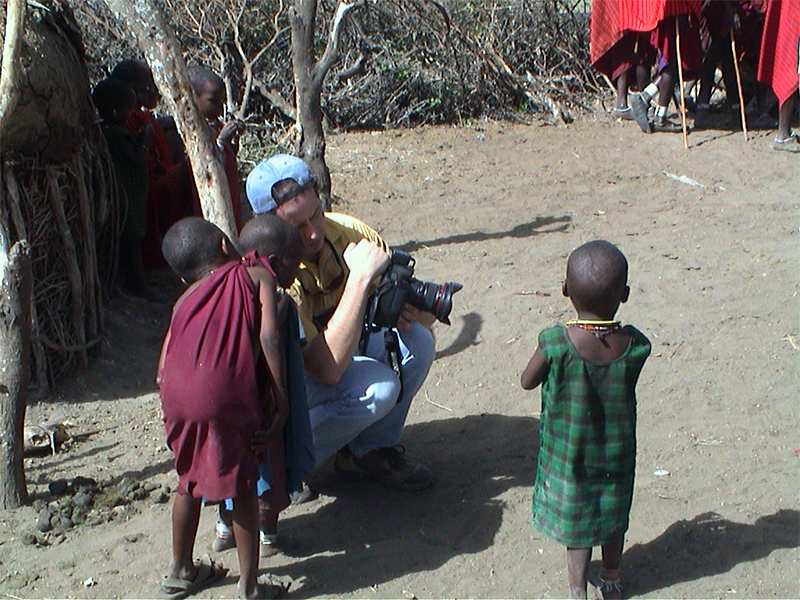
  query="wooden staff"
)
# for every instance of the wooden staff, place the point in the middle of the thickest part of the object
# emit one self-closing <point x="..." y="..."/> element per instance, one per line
<point x="680" y="80"/>
<point x="739" y="85"/>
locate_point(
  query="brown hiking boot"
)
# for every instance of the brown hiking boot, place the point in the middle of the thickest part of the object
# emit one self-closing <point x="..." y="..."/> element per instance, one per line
<point x="387" y="466"/>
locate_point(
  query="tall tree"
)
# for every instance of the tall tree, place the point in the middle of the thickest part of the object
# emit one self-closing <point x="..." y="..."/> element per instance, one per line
<point x="309" y="76"/>
<point x="163" y="53"/>
<point x="15" y="296"/>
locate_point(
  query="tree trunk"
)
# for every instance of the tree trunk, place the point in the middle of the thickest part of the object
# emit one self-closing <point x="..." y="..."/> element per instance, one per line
<point x="15" y="333"/>
<point x="164" y="55"/>
<point x="308" y="79"/>
<point x="15" y="296"/>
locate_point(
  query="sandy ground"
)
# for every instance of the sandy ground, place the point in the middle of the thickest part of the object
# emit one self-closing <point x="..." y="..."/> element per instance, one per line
<point x="498" y="207"/>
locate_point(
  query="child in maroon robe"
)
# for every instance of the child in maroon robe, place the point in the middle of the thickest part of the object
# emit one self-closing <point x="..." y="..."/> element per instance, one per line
<point x="212" y="407"/>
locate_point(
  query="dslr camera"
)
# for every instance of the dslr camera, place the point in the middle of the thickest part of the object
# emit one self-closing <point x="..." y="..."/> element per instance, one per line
<point x="398" y="287"/>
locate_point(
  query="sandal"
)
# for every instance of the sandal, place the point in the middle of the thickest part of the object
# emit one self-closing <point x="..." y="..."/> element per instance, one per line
<point x="667" y="126"/>
<point x="624" y="114"/>
<point x="610" y="589"/>
<point x="208" y="572"/>
<point x="790" y="144"/>
<point x="639" y="108"/>
<point x="269" y="587"/>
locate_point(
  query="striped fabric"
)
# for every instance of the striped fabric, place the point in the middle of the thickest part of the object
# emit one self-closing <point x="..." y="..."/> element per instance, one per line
<point x="780" y="42"/>
<point x="587" y="436"/>
<point x="644" y="15"/>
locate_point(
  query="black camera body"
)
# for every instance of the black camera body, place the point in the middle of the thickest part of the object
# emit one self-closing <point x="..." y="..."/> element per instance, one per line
<point x="398" y="287"/>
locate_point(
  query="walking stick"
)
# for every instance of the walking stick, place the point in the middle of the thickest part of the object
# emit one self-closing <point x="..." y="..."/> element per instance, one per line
<point x="680" y="80"/>
<point x="739" y="85"/>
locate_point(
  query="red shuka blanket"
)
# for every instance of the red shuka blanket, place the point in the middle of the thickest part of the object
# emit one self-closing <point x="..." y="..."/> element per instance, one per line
<point x="209" y="391"/>
<point x="780" y="38"/>
<point x="644" y="15"/>
<point x="604" y="29"/>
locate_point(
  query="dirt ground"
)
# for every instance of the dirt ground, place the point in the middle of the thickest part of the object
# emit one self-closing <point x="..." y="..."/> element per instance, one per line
<point x="498" y="207"/>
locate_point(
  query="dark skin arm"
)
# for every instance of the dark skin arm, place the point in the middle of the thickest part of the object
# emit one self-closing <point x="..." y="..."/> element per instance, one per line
<point x="535" y="371"/>
<point x="272" y="347"/>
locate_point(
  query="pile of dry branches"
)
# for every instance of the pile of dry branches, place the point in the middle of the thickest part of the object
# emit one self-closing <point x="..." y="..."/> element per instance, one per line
<point x="403" y="62"/>
<point x="58" y="194"/>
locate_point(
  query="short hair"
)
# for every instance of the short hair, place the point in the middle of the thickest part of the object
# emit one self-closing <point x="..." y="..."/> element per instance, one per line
<point x="131" y="71"/>
<point x="596" y="272"/>
<point x="192" y="246"/>
<point x="268" y="234"/>
<point x="200" y="75"/>
<point x="110" y="94"/>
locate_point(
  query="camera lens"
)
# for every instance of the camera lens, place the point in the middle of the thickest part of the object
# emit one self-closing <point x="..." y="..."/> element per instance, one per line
<point x="434" y="298"/>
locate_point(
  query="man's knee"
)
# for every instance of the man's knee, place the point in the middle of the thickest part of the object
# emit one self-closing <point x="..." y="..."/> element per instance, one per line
<point x="420" y="343"/>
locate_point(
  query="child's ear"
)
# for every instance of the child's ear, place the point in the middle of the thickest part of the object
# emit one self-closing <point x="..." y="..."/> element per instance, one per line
<point x="564" y="289"/>
<point x="625" y="294"/>
<point x="274" y="262"/>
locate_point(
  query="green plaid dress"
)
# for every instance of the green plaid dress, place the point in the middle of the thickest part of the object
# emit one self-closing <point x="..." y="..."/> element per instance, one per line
<point x="587" y="442"/>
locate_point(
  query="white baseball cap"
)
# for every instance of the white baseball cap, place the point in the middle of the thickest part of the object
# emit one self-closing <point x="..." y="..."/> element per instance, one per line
<point x="270" y="171"/>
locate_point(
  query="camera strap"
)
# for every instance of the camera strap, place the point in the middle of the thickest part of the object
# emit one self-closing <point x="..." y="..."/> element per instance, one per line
<point x="392" y="345"/>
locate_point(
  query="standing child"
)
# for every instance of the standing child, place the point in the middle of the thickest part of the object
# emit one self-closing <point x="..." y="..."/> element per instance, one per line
<point x="291" y="451"/>
<point x="209" y="91"/>
<point x="587" y="433"/>
<point x="115" y="100"/>
<point x="212" y="407"/>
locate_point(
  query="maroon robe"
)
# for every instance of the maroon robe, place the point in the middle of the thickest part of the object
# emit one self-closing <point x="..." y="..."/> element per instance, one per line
<point x="209" y="393"/>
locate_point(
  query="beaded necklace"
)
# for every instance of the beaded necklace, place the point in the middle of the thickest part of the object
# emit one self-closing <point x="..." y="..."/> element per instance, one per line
<point x="599" y="329"/>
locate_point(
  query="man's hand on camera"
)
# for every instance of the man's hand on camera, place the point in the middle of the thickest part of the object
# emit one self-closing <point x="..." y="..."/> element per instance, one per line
<point x="411" y="314"/>
<point x="365" y="260"/>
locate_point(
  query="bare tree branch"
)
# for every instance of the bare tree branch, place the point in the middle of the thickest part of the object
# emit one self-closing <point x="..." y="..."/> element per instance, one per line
<point x="9" y="91"/>
<point x="334" y="38"/>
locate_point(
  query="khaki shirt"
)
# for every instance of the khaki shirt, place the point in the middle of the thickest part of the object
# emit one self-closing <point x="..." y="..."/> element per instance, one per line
<point x="319" y="286"/>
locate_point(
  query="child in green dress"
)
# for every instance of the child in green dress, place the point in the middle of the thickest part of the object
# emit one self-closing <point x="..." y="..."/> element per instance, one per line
<point x="587" y="433"/>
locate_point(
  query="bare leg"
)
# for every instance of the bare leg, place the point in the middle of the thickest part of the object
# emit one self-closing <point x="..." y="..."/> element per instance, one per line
<point x="578" y="570"/>
<point x="185" y="519"/>
<point x="785" y="117"/>
<point x="245" y="532"/>
<point x="642" y="76"/>
<point x="622" y="91"/>
<point x="666" y="85"/>
<point x="612" y="557"/>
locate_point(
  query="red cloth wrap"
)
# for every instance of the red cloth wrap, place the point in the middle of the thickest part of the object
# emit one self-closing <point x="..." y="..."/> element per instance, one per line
<point x="777" y="63"/>
<point x="209" y="392"/>
<point x="611" y="50"/>
<point x="663" y="39"/>
<point x="644" y="15"/>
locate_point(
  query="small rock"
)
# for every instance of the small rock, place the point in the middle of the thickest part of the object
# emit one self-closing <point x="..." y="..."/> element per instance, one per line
<point x="160" y="497"/>
<point x="58" y="487"/>
<point x="132" y="538"/>
<point x="84" y="482"/>
<point x="82" y="500"/>
<point x="28" y="538"/>
<point x="43" y="521"/>
<point x="150" y="486"/>
<point x="67" y="523"/>
<point x="166" y="489"/>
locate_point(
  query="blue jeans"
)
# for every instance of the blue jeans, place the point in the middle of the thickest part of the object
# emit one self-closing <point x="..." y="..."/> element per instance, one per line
<point x="363" y="409"/>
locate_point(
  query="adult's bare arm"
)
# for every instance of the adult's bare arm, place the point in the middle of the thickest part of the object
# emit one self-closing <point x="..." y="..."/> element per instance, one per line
<point x="328" y="355"/>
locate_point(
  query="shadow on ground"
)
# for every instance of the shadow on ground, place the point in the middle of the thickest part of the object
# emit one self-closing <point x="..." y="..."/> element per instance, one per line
<point x="538" y="226"/>
<point x="393" y="533"/>
<point x="704" y="546"/>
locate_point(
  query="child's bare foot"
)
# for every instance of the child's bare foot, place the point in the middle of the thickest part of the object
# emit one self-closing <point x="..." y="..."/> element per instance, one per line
<point x="266" y="587"/>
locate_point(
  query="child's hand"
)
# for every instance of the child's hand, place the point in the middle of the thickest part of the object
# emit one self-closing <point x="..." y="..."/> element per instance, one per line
<point x="230" y="131"/>
<point x="279" y="419"/>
